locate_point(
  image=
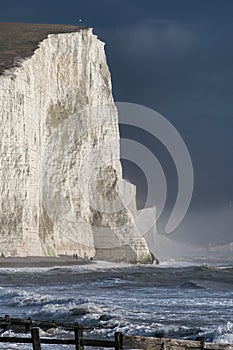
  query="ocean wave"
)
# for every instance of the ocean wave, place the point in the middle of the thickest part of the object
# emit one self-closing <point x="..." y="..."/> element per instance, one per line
<point x="224" y="334"/>
<point x="198" y="276"/>
<point x="181" y="302"/>
<point x="24" y="298"/>
<point x="192" y="285"/>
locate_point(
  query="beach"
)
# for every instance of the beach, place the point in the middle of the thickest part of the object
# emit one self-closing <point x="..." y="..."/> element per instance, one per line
<point x="41" y="261"/>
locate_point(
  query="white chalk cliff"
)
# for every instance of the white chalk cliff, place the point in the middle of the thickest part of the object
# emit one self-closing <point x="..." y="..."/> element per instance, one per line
<point x="60" y="167"/>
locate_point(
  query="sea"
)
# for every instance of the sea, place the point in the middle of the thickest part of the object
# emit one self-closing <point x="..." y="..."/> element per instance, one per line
<point x="179" y="298"/>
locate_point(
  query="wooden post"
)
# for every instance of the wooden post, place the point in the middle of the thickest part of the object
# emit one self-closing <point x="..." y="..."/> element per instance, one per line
<point x="78" y="332"/>
<point x="162" y="347"/>
<point x="28" y="325"/>
<point x="159" y="335"/>
<point x="8" y="320"/>
<point x="35" y="338"/>
<point x="202" y="342"/>
<point x="118" y="341"/>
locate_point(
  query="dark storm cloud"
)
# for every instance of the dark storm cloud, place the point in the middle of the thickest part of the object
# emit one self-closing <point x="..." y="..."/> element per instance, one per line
<point x="185" y="71"/>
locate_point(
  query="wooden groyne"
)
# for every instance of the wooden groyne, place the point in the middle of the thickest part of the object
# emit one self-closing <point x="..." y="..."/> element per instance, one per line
<point x="25" y="325"/>
<point x="120" y="341"/>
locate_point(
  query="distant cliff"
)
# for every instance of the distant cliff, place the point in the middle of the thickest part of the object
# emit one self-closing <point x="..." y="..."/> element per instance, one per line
<point x="49" y="74"/>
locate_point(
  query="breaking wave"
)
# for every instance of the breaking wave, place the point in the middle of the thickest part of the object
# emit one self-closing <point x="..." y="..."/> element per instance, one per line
<point x="180" y="302"/>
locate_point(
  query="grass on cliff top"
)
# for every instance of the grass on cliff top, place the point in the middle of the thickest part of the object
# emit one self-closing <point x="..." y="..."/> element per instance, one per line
<point x="20" y="40"/>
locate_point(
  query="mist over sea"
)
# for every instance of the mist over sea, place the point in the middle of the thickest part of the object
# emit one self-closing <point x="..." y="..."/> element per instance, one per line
<point x="182" y="299"/>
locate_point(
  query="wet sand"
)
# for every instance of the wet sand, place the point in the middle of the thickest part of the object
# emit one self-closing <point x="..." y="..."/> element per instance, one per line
<point x="34" y="261"/>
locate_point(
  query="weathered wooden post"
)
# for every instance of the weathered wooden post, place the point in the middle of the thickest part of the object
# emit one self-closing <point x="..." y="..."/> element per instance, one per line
<point x="202" y="342"/>
<point x="7" y="320"/>
<point x="118" y="341"/>
<point x="159" y="335"/>
<point x="28" y="325"/>
<point x="35" y="338"/>
<point x="78" y="332"/>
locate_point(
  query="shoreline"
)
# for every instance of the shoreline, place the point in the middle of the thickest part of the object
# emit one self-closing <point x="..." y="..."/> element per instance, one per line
<point x="41" y="261"/>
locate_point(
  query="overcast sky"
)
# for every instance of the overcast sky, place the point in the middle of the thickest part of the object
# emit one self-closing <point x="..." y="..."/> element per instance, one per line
<point x="176" y="57"/>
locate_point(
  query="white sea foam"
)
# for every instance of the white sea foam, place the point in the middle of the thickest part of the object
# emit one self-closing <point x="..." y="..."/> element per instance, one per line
<point x="132" y="299"/>
<point x="224" y="334"/>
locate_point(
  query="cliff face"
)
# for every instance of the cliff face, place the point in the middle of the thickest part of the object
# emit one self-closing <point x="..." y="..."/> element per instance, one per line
<point x="59" y="156"/>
